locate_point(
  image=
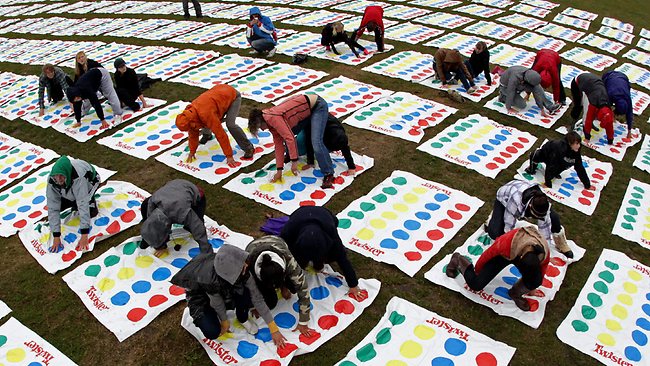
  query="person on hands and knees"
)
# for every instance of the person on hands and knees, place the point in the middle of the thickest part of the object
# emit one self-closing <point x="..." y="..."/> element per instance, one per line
<point x="260" y="33"/>
<point x="285" y="120"/>
<point x="83" y="95"/>
<point x="591" y="100"/>
<point x="479" y="62"/>
<point x="548" y="64"/>
<point x="333" y="33"/>
<point x="204" y="116"/>
<point x="448" y="64"/>
<point x="372" y="21"/>
<point x="560" y="155"/>
<point x="72" y="184"/>
<point x="83" y="64"/>
<point x="518" y="79"/>
<point x="216" y="282"/>
<point x="273" y="267"/>
<point x="56" y="81"/>
<point x="519" y="200"/>
<point x="177" y="202"/>
<point x="620" y="96"/>
<point x="525" y="248"/>
<point x="312" y="236"/>
<point x="127" y="86"/>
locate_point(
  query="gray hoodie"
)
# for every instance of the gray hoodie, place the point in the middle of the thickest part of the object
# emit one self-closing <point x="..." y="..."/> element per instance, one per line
<point x="519" y="79"/>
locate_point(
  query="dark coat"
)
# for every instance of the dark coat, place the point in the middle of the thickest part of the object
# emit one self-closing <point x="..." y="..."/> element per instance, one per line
<point x="594" y="87"/>
<point x="558" y="157"/>
<point x="618" y="91"/>
<point x="480" y="63"/>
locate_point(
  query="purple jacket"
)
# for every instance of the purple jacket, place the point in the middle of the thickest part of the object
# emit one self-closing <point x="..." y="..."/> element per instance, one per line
<point x="618" y="90"/>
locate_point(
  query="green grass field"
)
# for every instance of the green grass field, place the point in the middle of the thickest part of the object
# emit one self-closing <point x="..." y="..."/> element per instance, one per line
<point x="45" y="304"/>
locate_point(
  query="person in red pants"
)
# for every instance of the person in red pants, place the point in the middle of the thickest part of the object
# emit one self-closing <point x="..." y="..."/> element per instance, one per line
<point x="590" y="94"/>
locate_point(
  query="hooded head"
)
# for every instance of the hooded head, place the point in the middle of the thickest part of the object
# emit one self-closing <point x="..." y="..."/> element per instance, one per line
<point x="312" y="245"/>
<point x="63" y="167"/>
<point x="621" y="106"/>
<point x="254" y="11"/>
<point x="539" y="206"/>
<point x="532" y="77"/>
<point x="119" y="62"/>
<point x="72" y="93"/>
<point x="155" y="229"/>
<point x="605" y="115"/>
<point x="185" y="121"/>
<point x="545" y="79"/>
<point x="229" y="262"/>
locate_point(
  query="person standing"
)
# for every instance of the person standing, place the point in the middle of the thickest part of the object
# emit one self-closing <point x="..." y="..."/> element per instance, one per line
<point x="186" y="9"/>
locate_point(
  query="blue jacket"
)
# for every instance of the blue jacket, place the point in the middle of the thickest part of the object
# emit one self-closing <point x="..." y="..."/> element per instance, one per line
<point x="618" y="90"/>
<point x="264" y="31"/>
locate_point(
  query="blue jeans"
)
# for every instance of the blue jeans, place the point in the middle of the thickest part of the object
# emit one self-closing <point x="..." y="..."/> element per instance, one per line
<point x="315" y="130"/>
<point x="460" y="75"/>
<point x="262" y="44"/>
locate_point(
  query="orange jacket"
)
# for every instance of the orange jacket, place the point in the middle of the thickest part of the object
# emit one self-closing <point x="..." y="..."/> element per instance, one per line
<point x="206" y="111"/>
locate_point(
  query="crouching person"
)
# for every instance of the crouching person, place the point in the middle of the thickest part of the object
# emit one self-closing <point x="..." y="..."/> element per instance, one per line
<point x="216" y="282"/>
<point x="525" y="248"/>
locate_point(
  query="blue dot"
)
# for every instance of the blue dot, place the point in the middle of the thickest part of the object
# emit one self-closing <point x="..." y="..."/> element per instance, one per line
<point x="506" y="132"/>
<point x="6" y="170"/>
<point x="334" y="281"/>
<point x="218" y="158"/>
<point x="632" y="353"/>
<point x="247" y="349"/>
<point x="432" y="206"/>
<point x="216" y="243"/>
<point x="24" y="208"/>
<point x="568" y="186"/>
<point x="38" y="200"/>
<point x="153" y="137"/>
<point x="296" y="306"/>
<point x="473" y="158"/>
<point x="298" y="187"/>
<point x="487" y="147"/>
<point x="572" y="180"/>
<point x="319" y="293"/>
<point x="564" y="192"/>
<point x="480" y="153"/>
<point x="401" y="234"/>
<point x="179" y="262"/>
<point x="640" y="338"/>
<point x="643" y="323"/>
<point x="133" y="203"/>
<point x="140" y="143"/>
<point x="388" y="243"/>
<point x="205" y="165"/>
<point x="647" y="296"/>
<point x="141" y="287"/>
<point x="194" y="252"/>
<point x="70" y="238"/>
<point x="503" y="292"/>
<point x="285" y="320"/>
<point x="287" y="195"/>
<point x="263" y="335"/>
<point x="308" y="180"/>
<point x="11" y="216"/>
<point x="440" y="197"/>
<point x="510" y="280"/>
<point x="494" y="142"/>
<point x="455" y="347"/>
<point x="442" y="361"/>
<point x="529" y="114"/>
<point x="102" y="221"/>
<point x="396" y="127"/>
<point x="161" y="274"/>
<point x="412" y="225"/>
<point x="116" y="213"/>
<point x="423" y="215"/>
<point x="646" y="309"/>
<point x="120" y="298"/>
<point x="515" y="271"/>
<point x="263" y="134"/>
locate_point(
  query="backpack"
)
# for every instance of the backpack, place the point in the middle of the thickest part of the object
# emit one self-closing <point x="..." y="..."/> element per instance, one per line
<point x="299" y="58"/>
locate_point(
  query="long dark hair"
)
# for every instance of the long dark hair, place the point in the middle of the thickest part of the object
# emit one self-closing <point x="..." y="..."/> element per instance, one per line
<point x="271" y="273"/>
<point x="255" y="120"/>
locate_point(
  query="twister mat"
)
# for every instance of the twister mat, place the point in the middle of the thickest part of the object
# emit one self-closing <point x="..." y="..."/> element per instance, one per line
<point x="522" y="21"/>
<point x="479" y="10"/>
<point x="532" y="113"/>
<point x="590" y="59"/>
<point x="574" y="22"/>
<point x="642" y="58"/>
<point x="405" y="220"/>
<point x="642" y="160"/>
<point x="238" y="39"/>
<point x="444" y="20"/>
<point x="4" y="309"/>
<point x="557" y="31"/>
<point x="601" y="43"/>
<point x="176" y="63"/>
<point x="21" y="159"/>
<point x="636" y="74"/>
<point x="21" y="346"/>
<point x="530" y="10"/>
<point x="318" y="18"/>
<point x="206" y="34"/>
<point x="346" y="56"/>
<point x="492" y="30"/>
<point x="482" y="88"/>
<point x="7" y="142"/>
<point x="479" y="144"/>
<point x="610" y="320"/>
<point x="222" y="70"/>
<point x="407" y="65"/>
<point x="456" y="41"/>
<point x="598" y="140"/>
<point x="507" y="55"/>
<point x="538" y="42"/>
<point x="582" y="14"/>
<point x="633" y="220"/>
<point x="275" y="81"/>
<point x="119" y="209"/>
<point x="145" y="54"/>
<point x="616" y="34"/>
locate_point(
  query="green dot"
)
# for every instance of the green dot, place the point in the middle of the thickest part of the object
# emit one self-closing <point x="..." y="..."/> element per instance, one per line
<point x="390" y="191"/>
<point x="611" y="265"/>
<point x="396" y="318"/>
<point x="594" y="299"/>
<point x="627" y="226"/>
<point x="367" y="206"/>
<point x="118" y="135"/>
<point x="261" y="173"/>
<point x="588" y="312"/>
<point x="639" y="189"/>
<point x="606" y="276"/>
<point x="356" y="214"/>
<point x="475" y="249"/>
<point x="579" y="326"/>
<point x="4" y="196"/>
<point x="460" y="128"/>
<point x="366" y="353"/>
<point x="129" y="129"/>
<point x="635" y="203"/>
<point x="108" y="190"/>
<point x="600" y="286"/>
<point x="347" y="363"/>
<point x="3" y="340"/>
<point x="629" y="218"/>
<point x="272" y="167"/>
<point x="380" y="198"/>
<point x="466" y="125"/>
<point x="345" y="223"/>
<point x="383" y="336"/>
<point x="636" y="195"/>
<point x="111" y="260"/>
<point x="445" y="139"/>
<point x="436" y="145"/>
<point x="17" y="189"/>
<point x="92" y="270"/>
<point x="453" y="134"/>
<point x="30" y="180"/>
<point x="130" y="248"/>
<point x="248" y="180"/>
<point x="485" y="239"/>
<point x="400" y="181"/>
<point x="163" y="113"/>
<point x="632" y="211"/>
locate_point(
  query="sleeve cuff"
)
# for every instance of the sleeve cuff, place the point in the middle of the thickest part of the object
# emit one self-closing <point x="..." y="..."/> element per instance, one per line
<point x="292" y="160"/>
<point x="56" y="235"/>
<point x="279" y="168"/>
<point x="84" y="231"/>
<point x="303" y="323"/>
<point x="273" y="327"/>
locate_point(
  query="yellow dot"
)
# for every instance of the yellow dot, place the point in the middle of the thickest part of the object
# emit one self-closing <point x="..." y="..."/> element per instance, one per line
<point x="74" y="221"/>
<point x="420" y="190"/>
<point x="365" y="234"/>
<point x="477" y="135"/>
<point x="27" y="194"/>
<point x="13" y="202"/>
<point x="10" y="161"/>
<point x="613" y="325"/>
<point x="2" y="211"/>
<point x="122" y="196"/>
<point x="143" y="261"/>
<point x="625" y="299"/>
<point x="152" y="128"/>
<point x="606" y="339"/>
<point x="410" y="349"/>
<point x="105" y="284"/>
<point x="410" y="198"/>
<point x="225" y="336"/>
<point x="267" y="187"/>
<point x="128" y="139"/>
<point x="646" y="234"/>
<point x="390" y="215"/>
<point x="634" y="275"/>
<point x="462" y="146"/>
<point x="140" y="134"/>
<point x="44" y="238"/>
<point x="423" y="332"/>
<point x="41" y="186"/>
<point x="390" y="114"/>
<point x="630" y="288"/>
<point x="454" y="152"/>
<point x="619" y="312"/>
<point x="396" y="363"/>
<point x="470" y="140"/>
<point x="202" y="153"/>
<point x="125" y="273"/>
<point x="378" y="123"/>
<point x="105" y="204"/>
<point x="400" y="207"/>
<point x="378" y="223"/>
<point x="16" y="355"/>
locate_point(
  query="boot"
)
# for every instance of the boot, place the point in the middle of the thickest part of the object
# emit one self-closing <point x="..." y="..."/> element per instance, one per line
<point x="532" y="165"/>
<point x="561" y="244"/>
<point x="457" y="264"/>
<point x="248" y="154"/>
<point x="250" y="327"/>
<point x="516" y="292"/>
<point x="205" y="138"/>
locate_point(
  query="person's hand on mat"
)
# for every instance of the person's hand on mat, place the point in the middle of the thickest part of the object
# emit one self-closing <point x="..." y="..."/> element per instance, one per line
<point x="82" y="246"/>
<point x="278" y="339"/>
<point x="294" y="168"/>
<point x="277" y="176"/>
<point x="351" y="172"/>
<point x="591" y="188"/>
<point x="56" y="245"/>
<point x="511" y="111"/>
<point x="255" y="313"/>
<point x="304" y="330"/>
<point x="544" y="114"/>
<point x="225" y="327"/>
<point x="286" y="294"/>
<point x="231" y="162"/>
<point x="105" y="124"/>
<point x="357" y="293"/>
<point x="190" y="158"/>
<point x="527" y="97"/>
<point x="160" y="252"/>
<point x="307" y="167"/>
<point x="76" y="125"/>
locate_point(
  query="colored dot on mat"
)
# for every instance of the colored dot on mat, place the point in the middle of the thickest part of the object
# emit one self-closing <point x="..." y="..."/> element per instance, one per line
<point x="328" y="321"/>
<point x="319" y="293"/>
<point x="143" y="261"/>
<point x="632" y="353"/>
<point x="16" y="355"/>
<point x="366" y="353"/>
<point x="613" y="325"/>
<point x="161" y="274"/>
<point x="601" y="287"/>
<point x="624" y="299"/>
<point x="344" y="307"/>
<point x="92" y="270"/>
<point x="285" y="320"/>
<point x="630" y="288"/>
<point x="579" y="326"/>
<point x="410" y="349"/>
<point x="345" y="223"/>
<point x="125" y="273"/>
<point x="412" y="225"/>
<point x="120" y="299"/>
<point x="413" y="256"/>
<point x="634" y="275"/>
<point x="246" y="349"/>
<point x="179" y="262"/>
<point x="136" y="314"/>
<point x="639" y="338"/>
<point x="389" y="243"/>
<point x="486" y="359"/>
<point x="378" y="223"/>
<point x="432" y="206"/>
<point x="156" y="300"/>
<point x="287" y="195"/>
<point x="365" y="234"/>
<point x="606" y="339"/>
<point x="594" y="299"/>
<point x="141" y="287"/>
<point x="334" y="281"/>
<point x="442" y="361"/>
<point x="105" y="284"/>
<point x="588" y="312"/>
<point x="455" y="347"/>
<point x="424" y="332"/>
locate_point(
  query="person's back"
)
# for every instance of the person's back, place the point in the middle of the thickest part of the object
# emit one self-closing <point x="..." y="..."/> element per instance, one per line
<point x="594" y="87"/>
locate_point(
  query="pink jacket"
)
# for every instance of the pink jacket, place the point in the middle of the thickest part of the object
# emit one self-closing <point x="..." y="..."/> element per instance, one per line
<point x="281" y="119"/>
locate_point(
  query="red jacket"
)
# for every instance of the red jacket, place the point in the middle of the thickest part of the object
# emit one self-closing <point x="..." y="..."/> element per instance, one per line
<point x="505" y="246"/>
<point x="372" y="13"/>
<point x="546" y="64"/>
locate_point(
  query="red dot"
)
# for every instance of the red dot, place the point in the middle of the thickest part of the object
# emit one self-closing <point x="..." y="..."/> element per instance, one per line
<point x="364" y="296"/>
<point x="3" y="182"/>
<point x="518" y="145"/>
<point x="499" y="160"/>
<point x="176" y="291"/>
<point x="600" y="171"/>
<point x="221" y="170"/>
<point x="462" y="207"/>
<point x="523" y="139"/>
<point x="157" y="300"/>
<point x="552" y="271"/>
<point x="588" y="193"/>
<point x="287" y="350"/>
<point x="424" y="245"/>
<point x="317" y="195"/>
<point x="128" y="216"/>
<point x="454" y="215"/>
<point x="35" y="214"/>
<point x="491" y="166"/>
<point x="153" y="148"/>
<point x="534" y="304"/>
<point x="136" y="314"/>
<point x="547" y="283"/>
<point x="67" y="257"/>
<point x="598" y="176"/>
<point x="511" y="149"/>
<point x="166" y="142"/>
<point x="20" y="224"/>
<point x="311" y="339"/>
<point x="339" y="180"/>
<point x="39" y="161"/>
<point x="558" y="261"/>
<point x="307" y="203"/>
<point x="344" y="307"/>
<point x="413" y="256"/>
<point x="340" y="110"/>
<point x="114" y="228"/>
<point x="178" y="136"/>
<point x="584" y="201"/>
<point x="13" y="175"/>
<point x="270" y="363"/>
<point x="537" y="293"/>
<point x="486" y="359"/>
<point x="445" y="224"/>
<point x="435" y="234"/>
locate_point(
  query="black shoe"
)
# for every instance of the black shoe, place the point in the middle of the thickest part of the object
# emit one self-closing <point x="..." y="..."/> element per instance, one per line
<point x="205" y="138"/>
<point x="532" y="165"/>
<point x="186" y="17"/>
<point x="328" y="181"/>
<point x="248" y="154"/>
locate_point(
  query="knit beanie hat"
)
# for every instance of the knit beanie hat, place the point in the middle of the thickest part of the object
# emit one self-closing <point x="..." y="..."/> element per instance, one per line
<point x="539" y="206"/>
<point x="532" y="77"/>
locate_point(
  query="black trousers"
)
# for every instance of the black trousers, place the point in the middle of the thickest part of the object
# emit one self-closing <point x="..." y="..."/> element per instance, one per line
<point x="209" y="321"/>
<point x="532" y="277"/>
<point x="127" y="98"/>
<point x="65" y="204"/>
<point x="56" y="90"/>
<point x="269" y="293"/>
<point x="496" y="226"/>
<point x="576" y="96"/>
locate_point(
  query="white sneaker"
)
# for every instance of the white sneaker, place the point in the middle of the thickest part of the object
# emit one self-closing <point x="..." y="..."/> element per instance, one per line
<point x="252" y="52"/>
<point x="117" y="119"/>
<point x="271" y="52"/>
<point x="471" y="90"/>
<point x="250" y="327"/>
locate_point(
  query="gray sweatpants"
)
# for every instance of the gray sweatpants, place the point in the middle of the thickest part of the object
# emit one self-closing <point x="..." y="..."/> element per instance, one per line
<point x="231" y="124"/>
<point x="108" y="91"/>
<point x="518" y="102"/>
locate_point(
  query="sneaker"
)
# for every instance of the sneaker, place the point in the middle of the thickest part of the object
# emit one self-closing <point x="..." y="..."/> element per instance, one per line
<point x="117" y="119"/>
<point x="471" y="90"/>
<point x="253" y="52"/>
<point x="328" y="181"/>
<point x="554" y="108"/>
<point x="250" y="327"/>
<point x="205" y="138"/>
<point x="248" y="154"/>
<point x="186" y="16"/>
<point x="271" y="52"/>
<point x="365" y="52"/>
